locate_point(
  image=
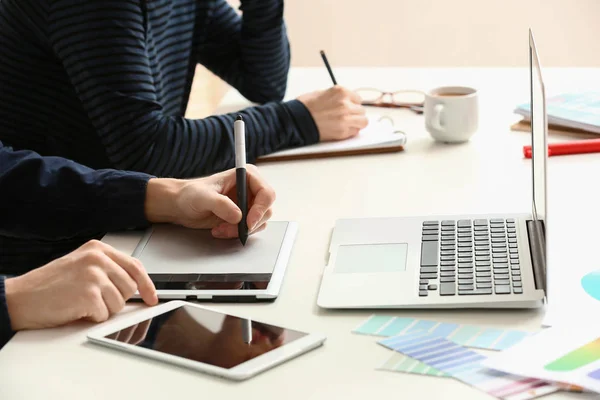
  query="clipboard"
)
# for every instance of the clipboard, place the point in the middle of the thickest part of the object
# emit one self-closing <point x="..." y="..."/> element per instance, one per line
<point x="331" y="154"/>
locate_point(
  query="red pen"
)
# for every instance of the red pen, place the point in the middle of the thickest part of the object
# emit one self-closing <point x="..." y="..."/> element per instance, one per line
<point x="572" y="147"/>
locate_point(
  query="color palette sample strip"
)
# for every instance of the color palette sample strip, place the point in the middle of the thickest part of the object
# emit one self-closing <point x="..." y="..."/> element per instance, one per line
<point x="465" y="365"/>
<point x="398" y="362"/>
<point x="466" y="335"/>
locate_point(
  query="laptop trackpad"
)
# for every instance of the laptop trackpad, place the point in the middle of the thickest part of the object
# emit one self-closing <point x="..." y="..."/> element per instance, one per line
<point x="369" y="258"/>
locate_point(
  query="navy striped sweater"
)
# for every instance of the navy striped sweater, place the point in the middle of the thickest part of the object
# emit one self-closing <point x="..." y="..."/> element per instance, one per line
<point x="106" y="82"/>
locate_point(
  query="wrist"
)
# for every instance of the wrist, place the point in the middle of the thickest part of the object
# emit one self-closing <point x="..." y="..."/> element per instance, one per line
<point x="161" y="199"/>
<point x="13" y="304"/>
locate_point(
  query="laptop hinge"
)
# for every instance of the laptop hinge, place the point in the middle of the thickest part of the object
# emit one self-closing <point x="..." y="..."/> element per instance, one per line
<point x="537" y="246"/>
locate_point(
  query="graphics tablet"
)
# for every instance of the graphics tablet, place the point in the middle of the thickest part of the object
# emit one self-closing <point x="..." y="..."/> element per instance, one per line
<point x="205" y="340"/>
<point x="189" y="264"/>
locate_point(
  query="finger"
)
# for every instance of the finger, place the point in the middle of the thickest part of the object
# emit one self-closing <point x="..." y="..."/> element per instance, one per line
<point x="137" y="272"/>
<point x="357" y="121"/>
<point x="260" y="208"/>
<point x="228" y="231"/>
<point x="225" y="231"/>
<point x="355" y="109"/>
<point x="126" y="334"/>
<point x="112" y="298"/>
<point x="224" y="208"/>
<point x="354" y="132"/>
<point x="140" y="332"/>
<point x="260" y="228"/>
<point x="120" y="278"/>
<point x="264" y="197"/>
<point x="354" y="97"/>
<point x="97" y="310"/>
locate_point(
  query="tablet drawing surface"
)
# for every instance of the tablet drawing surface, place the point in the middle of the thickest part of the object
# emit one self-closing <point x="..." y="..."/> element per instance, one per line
<point x="176" y="250"/>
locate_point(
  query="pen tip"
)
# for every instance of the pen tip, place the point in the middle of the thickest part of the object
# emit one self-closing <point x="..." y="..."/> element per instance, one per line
<point x="244" y="239"/>
<point x="239" y="118"/>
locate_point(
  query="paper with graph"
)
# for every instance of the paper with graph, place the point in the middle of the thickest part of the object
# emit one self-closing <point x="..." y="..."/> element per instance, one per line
<point x="567" y="354"/>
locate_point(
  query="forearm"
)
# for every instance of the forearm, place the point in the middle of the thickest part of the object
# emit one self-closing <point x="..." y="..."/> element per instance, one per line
<point x="54" y="198"/>
<point x="184" y="148"/>
<point x="251" y="53"/>
<point x="265" y="50"/>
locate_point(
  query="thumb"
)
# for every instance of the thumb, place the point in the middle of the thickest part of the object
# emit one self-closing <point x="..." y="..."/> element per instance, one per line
<point x="224" y="208"/>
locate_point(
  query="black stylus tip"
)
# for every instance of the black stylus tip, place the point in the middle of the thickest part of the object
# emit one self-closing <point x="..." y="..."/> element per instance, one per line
<point x="239" y="118"/>
<point x="244" y="239"/>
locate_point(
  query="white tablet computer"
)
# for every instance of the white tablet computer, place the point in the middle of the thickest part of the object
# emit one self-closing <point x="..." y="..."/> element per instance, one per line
<point x="190" y="264"/>
<point x="205" y="340"/>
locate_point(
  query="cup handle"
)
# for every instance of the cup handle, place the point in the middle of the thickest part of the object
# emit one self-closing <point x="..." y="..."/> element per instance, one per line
<point x="437" y="117"/>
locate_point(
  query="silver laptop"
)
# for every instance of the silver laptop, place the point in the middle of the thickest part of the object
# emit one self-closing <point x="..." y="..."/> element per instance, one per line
<point x="190" y="264"/>
<point x="447" y="261"/>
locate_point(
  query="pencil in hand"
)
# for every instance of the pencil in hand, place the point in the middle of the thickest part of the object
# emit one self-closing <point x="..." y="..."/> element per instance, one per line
<point x="324" y="57"/>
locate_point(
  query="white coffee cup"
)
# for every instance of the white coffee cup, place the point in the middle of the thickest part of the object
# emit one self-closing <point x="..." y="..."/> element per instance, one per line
<point x="451" y="113"/>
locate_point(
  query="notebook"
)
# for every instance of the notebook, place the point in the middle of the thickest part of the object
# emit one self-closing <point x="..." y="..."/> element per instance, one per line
<point x="377" y="137"/>
<point x="525" y="126"/>
<point x="577" y="111"/>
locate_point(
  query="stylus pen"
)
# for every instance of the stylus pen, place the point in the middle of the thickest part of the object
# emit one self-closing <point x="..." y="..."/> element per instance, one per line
<point x="239" y="130"/>
<point x="571" y="147"/>
<point x="247" y="330"/>
<point x="324" y="57"/>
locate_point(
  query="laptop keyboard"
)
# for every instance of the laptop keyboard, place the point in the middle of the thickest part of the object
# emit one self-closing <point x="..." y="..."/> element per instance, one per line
<point x="470" y="257"/>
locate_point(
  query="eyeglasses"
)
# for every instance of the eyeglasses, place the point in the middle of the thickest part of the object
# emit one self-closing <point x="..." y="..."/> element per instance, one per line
<point x="411" y="99"/>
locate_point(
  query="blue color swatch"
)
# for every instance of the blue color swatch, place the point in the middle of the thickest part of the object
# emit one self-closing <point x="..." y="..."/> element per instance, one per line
<point x="465" y="365"/>
<point x="466" y="335"/>
<point x="440" y="353"/>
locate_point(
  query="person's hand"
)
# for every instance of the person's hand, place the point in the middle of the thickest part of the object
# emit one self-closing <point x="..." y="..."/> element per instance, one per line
<point x="210" y="203"/>
<point x="92" y="283"/>
<point x="337" y="112"/>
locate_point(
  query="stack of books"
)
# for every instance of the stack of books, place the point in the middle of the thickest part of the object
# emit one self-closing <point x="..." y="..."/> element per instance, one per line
<point x="576" y="114"/>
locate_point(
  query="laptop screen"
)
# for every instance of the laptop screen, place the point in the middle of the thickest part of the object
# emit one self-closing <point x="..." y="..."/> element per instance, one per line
<point x="539" y="145"/>
<point x="539" y="156"/>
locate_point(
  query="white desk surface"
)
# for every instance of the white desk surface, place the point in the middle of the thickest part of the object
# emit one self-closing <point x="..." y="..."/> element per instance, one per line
<point x="487" y="174"/>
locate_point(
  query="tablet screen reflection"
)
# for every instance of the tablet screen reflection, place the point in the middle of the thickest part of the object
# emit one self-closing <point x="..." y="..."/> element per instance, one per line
<point x="206" y="336"/>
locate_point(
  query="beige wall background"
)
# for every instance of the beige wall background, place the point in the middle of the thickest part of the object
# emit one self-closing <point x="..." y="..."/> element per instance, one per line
<point x="442" y="32"/>
<point x="434" y="33"/>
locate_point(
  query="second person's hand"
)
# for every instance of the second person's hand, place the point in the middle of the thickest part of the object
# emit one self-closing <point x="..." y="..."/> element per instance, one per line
<point x="210" y="203"/>
<point x="92" y="283"/>
<point x="337" y="112"/>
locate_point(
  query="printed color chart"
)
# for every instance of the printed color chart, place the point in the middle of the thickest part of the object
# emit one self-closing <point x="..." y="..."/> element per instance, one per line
<point x="400" y="363"/>
<point x="466" y="335"/>
<point x="465" y="365"/>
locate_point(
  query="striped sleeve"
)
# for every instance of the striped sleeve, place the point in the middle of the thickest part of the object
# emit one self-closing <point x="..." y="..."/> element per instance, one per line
<point x="250" y="52"/>
<point x="103" y="49"/>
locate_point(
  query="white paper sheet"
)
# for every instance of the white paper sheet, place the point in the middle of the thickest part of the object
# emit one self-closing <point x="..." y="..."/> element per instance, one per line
<point x="569" y="353"/>
<point x="573" y="285"/>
